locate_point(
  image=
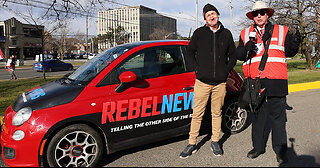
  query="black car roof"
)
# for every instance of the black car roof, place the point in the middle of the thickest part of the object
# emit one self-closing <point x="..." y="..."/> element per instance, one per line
<point x="139" y="43"/>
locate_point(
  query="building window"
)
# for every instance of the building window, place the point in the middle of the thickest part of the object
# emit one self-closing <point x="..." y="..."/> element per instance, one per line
<point x="14" y="42"/>
<point x="1" y="31"/>
<point x="13" y="30"/>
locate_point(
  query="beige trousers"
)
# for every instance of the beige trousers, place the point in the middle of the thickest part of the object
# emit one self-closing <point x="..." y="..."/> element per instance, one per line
<point x="201" y="95"/>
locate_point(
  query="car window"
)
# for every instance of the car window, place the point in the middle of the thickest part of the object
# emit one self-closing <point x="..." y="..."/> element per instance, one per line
<point x="150" y="63"/>
<point x="54" y="62"/>
<point x="85" y="73"/>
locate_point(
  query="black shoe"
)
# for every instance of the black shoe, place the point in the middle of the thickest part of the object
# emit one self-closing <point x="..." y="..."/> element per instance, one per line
<point x="282" y="158"/>
<point x="254" y="154"/>
<point x="215" y="148"/>
<point x="189" y="150"/>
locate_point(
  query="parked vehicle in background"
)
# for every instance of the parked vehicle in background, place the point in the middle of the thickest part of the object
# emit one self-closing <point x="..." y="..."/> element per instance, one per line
<point x="81" y="56"/>
<point x="91" y="55"/>
<point x="67" y="56"/>
<point x="52" y="65"/>
<point x="130" y="95"/>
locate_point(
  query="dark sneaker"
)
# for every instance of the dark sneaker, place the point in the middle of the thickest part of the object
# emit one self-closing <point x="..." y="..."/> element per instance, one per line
<point x="215" y="147"/>
<point x="189" y="150"/>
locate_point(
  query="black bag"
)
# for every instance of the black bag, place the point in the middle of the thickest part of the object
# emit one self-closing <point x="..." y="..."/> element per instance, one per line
<point x="251" y="95"/>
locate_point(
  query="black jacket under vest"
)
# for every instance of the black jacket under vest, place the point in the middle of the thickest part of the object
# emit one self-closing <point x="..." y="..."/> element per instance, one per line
<point x="211" y="55"/>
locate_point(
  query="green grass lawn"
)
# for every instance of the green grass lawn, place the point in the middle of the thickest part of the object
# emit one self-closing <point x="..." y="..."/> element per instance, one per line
<point x="9" y="90"/>
<point x="296" y="72"/>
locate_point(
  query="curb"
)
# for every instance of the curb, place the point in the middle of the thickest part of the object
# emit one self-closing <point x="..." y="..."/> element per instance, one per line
<point x="303" y="86"/>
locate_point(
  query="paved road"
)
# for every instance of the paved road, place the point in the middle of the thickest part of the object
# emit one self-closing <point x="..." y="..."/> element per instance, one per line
<point x="303" y="136"/>
<point x="303" y="129"/>
<point x="27" y="72"/>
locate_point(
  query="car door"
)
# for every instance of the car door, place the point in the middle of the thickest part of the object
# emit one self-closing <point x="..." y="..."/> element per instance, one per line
<point x="53" y="65"/>
<point x="156" y="105"/>
<point x="60" y="65"/>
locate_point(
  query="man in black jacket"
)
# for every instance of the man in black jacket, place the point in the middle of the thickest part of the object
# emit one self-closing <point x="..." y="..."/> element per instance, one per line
<point x="271" y="114"/>
<point x="211" y="55"/>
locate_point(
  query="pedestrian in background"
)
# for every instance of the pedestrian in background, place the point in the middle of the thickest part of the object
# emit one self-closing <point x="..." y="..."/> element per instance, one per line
<point x="11" y="66"/>
<point x="271" y="115"/>
<point x="210" y="54"/>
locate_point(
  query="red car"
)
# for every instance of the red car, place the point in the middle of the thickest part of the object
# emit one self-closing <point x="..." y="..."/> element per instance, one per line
<point x="130" y="95"/>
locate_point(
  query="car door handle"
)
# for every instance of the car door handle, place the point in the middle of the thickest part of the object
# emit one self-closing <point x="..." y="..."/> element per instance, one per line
<point x="188" y="88"/>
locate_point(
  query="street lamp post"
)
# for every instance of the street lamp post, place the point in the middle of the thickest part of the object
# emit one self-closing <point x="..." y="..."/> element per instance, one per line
<point x="231" y="15"/>
<point x="42" y="53"/>
<point x="114" y="30"/>
<point x="86" y="36"/>
<point x="196" y="14"/>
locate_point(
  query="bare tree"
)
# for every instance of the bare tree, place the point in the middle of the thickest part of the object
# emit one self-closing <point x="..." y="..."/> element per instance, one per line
<point x="62" y="39"/>
<point x="59" y="9"/>
<point x="49" y="42"/>
<point x="160" y="34"/>
<point x="120" y="36"/>
<point x="302" y="15"/>
<point x="53" y="13"/>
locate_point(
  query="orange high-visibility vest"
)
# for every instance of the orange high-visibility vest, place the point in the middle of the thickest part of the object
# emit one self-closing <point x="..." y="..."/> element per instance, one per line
<point x="276" y="65"/>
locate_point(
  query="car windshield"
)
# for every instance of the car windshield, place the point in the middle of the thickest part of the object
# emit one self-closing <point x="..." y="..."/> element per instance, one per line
<point x="85" y="73"/>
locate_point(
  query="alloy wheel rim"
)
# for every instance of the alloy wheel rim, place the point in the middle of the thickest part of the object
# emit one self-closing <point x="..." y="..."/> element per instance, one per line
<point x="76" y="149"/>
<point x="235" y="117"/>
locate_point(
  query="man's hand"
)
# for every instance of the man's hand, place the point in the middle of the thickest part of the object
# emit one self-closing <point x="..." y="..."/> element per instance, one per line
<point x="250" y="46"/>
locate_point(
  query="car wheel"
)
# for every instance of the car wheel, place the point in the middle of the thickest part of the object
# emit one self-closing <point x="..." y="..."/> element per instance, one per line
<point x="70" y="68"/>
<point x="49" y="70"/>
<point x="75" y="146"/>
<point x="234" y="119"/>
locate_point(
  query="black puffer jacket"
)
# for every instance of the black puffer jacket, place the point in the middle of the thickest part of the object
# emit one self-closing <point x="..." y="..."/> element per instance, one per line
<point x="211" y="55"/>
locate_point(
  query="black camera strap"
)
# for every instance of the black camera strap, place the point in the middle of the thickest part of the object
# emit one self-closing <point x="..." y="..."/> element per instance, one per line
<point x="262" y="63"/>
<point x="265" y="54"/>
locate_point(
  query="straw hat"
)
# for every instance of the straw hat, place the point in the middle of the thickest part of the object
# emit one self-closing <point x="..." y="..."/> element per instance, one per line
<point x="258" y="6"/>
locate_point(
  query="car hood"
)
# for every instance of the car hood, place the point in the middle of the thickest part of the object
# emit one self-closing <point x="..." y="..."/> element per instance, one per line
<point x="48" y="95"/>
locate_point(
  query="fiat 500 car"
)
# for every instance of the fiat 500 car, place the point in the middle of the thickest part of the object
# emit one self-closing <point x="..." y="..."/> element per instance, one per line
<point x="130" y="95"/>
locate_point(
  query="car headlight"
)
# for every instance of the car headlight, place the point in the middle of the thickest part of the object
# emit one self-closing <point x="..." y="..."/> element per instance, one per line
<point x="21" y="116"/>
<point x="18" y="135"/>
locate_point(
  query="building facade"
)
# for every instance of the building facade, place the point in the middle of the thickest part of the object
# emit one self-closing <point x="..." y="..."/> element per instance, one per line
<point x="138" y="22"/>
<point x="22" y="40"/>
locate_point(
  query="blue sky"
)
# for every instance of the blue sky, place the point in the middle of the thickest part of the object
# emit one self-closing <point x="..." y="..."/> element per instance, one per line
<point x="187" y="9"/>
<point x="183" y="10"/>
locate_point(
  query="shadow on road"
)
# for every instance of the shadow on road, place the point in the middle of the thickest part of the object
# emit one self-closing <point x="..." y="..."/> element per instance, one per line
<point x="298" y="161"/>
<point x="222" y="140"/>
<point x="115" y="156"/>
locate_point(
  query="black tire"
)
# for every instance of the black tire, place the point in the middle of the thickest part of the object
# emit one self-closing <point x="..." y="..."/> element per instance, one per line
<point x="49" y="70"/>
<point x="75" y="146"/>
<point x="70" y="68"/>
<point x="234" y="119"/>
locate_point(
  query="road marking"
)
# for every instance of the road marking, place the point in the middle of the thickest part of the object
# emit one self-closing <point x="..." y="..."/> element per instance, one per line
<point x="304" y="86"/>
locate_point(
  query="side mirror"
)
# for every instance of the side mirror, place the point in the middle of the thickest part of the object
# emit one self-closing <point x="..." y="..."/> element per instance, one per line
<point x="67" y="75"/>
<point x="125" y="78"/>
